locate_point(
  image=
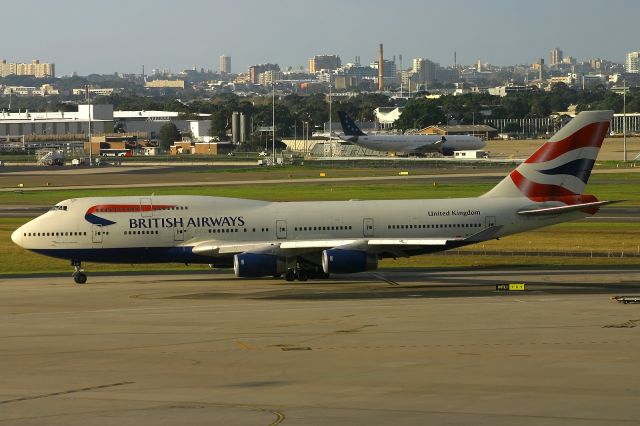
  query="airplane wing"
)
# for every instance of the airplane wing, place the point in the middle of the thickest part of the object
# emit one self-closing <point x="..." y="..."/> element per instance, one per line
<point x="374" y="245"/>
<point x="431" y="146"/>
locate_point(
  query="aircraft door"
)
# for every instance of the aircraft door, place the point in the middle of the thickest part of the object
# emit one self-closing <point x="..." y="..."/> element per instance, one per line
<point x="489" y="221"/>
<point x="178" y="233"/>
<point x="146" y="208"/>
<point x="281" y="229"/>
<point x="368" y="229"/>
<point x="96" y="234"/>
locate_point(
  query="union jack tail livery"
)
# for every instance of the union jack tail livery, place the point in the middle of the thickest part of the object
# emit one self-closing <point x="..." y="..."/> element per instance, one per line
<point x="559" y="170"/>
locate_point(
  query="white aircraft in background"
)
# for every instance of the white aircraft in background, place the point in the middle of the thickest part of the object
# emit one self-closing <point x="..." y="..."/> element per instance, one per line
<point x="302" y="239"/>
<point x="407" y="144"/>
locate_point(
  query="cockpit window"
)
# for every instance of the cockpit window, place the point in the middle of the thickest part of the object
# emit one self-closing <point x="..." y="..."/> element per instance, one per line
<point x="56" y="208"/>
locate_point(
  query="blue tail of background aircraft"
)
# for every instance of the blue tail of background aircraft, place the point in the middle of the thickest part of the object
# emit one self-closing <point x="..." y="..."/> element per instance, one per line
<point x="348" y="126"/>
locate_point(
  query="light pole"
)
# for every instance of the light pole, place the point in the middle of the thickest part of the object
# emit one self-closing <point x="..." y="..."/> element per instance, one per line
<point x="330" y="123"/>
<point x="305" y="134"/>
<point x="89" y="112"/>
<point x="624" y="120"/>
<point x="273" y="118"/>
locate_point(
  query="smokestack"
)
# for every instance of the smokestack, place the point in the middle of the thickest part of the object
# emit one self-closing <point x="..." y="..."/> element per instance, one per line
<point x="380" y="66"/>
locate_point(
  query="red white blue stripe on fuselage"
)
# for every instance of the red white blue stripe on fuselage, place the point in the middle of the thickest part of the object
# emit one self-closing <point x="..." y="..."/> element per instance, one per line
<point x="94" y="219"/>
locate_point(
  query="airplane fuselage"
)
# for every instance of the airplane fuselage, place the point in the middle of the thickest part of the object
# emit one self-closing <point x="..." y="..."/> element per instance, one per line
<point x="417" y="144"/>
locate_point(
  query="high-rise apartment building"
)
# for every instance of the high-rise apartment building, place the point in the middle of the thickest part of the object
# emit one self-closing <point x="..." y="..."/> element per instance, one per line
<point x="556" y="57"/>
<point x="324" y="62"/>
<point x="225" y="64"/>
<point x="256" y="70"/>
<point x="424" y="69"/>
<point x="35" y="68"/>
<point x="268" y="78"/>
<point x="632" y="64"/>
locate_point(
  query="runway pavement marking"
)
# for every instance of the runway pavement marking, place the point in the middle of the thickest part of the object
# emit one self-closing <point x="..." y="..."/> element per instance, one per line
<point x="454" y="346"/>
<point x="66" y="392"/>
<point x="387" y="280"/>
<point x="244" y="346"/>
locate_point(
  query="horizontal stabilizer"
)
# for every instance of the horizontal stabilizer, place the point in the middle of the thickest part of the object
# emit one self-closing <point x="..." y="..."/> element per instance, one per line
<point x="565" y="209"/>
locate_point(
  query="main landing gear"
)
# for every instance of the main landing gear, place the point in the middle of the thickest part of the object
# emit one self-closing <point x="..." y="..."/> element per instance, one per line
<point x="296" y="273"/>
<point x="304" y="271"/>
<point x="78" y="273"/>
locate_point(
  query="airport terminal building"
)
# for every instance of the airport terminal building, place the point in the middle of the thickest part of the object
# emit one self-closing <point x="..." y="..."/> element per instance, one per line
<point x="26" y="123"/>
<point x="103" y="120"/>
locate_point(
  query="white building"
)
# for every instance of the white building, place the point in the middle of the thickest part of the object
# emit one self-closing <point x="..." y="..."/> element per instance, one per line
<point x="57" y="123"/>
<point x="103" y="120"/>
<point x="151" y="121"/>
<point x="200" y="130"/>
<point x="97" y="91"/>
<point x="44" y="90"/>
<point x="503" y="91"/>
<point x="386" y="116"/>
<point x="267" y="78"/>
<point x="632" y="64"/>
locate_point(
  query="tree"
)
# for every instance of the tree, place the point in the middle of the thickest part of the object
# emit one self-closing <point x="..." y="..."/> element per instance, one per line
<point x="420" y="113"/>
<point x="168" y="134"/>
<point x="512" y="127"/>
<point x="539" y="108"/>
<point x="219" y="121"/>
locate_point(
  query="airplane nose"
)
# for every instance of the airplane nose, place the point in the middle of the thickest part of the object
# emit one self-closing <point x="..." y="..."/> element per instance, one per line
<point x="16" y="237"/>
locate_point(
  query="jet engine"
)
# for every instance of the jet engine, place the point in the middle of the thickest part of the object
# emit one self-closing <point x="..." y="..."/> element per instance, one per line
<point x="339" y="261"/>
<point x="253" y="265"/>
<point x="447" y="152"/>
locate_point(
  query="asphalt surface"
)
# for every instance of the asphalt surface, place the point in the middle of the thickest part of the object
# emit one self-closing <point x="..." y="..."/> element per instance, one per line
<point x="393" y="347"/>
<point x="149" y="177"/>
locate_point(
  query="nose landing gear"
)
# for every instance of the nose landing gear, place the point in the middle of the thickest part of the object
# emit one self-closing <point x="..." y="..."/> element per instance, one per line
<point x="78" y="273"/>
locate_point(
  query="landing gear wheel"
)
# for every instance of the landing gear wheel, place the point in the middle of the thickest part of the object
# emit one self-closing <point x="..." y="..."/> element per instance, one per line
<point x="78" y="274"/>
<point x="302" y="275"/>
<point x="290" y="275"/>
<point x="80" y="277"/>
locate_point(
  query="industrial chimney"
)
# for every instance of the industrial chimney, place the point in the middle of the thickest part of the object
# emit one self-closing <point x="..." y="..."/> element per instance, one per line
<point x="380" y="67"/>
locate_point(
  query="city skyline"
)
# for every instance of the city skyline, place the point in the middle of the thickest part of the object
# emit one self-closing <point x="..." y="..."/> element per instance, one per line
<point x="127" y="35"/>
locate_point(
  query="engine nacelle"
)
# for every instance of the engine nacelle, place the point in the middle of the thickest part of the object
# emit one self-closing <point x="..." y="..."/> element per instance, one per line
<point x="253" y="265"/>
<point x="339" y="261"/>
<point x="447" y="152"/>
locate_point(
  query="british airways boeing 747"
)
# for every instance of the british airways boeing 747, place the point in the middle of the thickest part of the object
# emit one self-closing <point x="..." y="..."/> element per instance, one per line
<point x="299" y="239"/>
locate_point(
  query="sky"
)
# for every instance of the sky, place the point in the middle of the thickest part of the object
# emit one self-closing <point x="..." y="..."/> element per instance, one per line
<point x="107" y="36"/>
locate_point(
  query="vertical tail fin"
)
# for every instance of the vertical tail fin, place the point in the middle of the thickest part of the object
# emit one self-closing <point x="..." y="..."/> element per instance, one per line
<point x="561" y="167"/>
<point x="349" y="128"/>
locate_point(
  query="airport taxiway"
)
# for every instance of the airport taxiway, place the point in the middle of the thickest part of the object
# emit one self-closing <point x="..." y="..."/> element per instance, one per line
<point x="391" y="347"/>
<point x="69" y="181"/>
